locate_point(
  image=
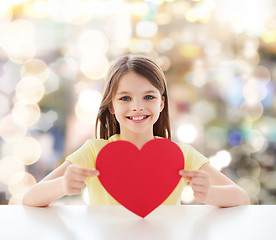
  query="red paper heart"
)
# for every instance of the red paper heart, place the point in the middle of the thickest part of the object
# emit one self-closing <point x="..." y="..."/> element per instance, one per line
<point x="140" y="180"/>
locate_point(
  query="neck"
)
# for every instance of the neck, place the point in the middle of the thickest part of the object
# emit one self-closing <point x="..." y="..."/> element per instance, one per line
<point x="137" y="139"/>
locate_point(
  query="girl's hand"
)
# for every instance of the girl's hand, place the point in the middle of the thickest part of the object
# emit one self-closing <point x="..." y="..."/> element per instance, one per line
<point x="74" y="178"/>
<point x="200" y="182"/>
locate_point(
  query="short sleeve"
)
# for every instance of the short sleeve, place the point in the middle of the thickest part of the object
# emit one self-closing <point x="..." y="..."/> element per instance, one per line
<point x="84" y="156"/>
<point x="193" y="159"/>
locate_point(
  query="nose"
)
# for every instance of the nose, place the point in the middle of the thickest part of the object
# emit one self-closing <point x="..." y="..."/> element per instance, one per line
<point x="137" y="106"/>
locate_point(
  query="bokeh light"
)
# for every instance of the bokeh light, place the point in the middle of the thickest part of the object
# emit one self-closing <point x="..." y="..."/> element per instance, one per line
<point x="165" y="44"/>
<point x="254" y="91"/>
<point x="186" y="133"/>
<point x="262" y="74"/>
<point x="253" y="110"/>
<point x="139" y="8"/>
<point x="18" y="184"/>
<point x="269" y="36"/>
<point x="10" y="131"/>
<point x="8" y="167"/>
<point x="4" y="105"/>
<point x="36" y="68"/>
<point x="217" y="55"/>
<point x="36" y="9"/>
<point x="187" y="195"/>
<point x="235" y="138"/>
<point x="18" y="51"/>
<point x="30" y="90"/>
<point x="87" y="106"/>
<point x="143" y="45"/>
<point x="221" y="160"/>
<point x="254" y="141"/>
<point x="5" y="13"/>
<point x="119" y="32"/>
<point x="92" y="42"/>
<point x="146" y="29"/>
<point x="27" y="150"/>
<point x="251" y="185"/>
<point x="25" y="114"/>
<point x="190" y="51"/>
<point x="94" y="66"/>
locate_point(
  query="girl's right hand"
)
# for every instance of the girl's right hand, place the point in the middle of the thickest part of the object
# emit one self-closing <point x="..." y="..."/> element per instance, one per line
<point x="74" y="178"/>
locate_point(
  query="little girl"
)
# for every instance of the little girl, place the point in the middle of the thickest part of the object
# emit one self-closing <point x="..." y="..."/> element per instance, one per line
<point x="134" y="108"/>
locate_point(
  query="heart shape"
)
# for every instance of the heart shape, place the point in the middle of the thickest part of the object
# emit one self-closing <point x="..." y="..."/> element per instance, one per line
<point x="140" y="180"/>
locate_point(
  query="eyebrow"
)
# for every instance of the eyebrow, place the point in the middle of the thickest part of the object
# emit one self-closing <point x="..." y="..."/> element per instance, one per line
<point x="125" y="92"/>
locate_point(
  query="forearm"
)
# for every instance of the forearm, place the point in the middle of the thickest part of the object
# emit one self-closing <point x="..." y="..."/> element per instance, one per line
<point x="227" y="196"/>
<point x="43" y="193"/>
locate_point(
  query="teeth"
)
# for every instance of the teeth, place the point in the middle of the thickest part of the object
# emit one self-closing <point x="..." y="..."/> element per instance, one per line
<point x="138" y="118"/>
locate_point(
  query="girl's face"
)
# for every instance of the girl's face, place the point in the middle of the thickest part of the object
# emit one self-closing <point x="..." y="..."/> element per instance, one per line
<point x="136" y="104"/>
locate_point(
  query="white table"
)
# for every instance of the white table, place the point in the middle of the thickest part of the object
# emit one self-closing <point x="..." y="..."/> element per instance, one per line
<point x="115" y="222"/>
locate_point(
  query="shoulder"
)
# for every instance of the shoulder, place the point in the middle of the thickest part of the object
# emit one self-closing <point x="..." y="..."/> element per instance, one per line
<point x="97" y="144"/>
<point x="190" y="151"/>
<point x="193" y="158"/>
<point x="185" y="148"/>
<point x="87" y="153"/>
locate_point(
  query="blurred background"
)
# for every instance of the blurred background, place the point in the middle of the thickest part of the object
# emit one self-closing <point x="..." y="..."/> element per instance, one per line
<point x="218" y="57"/>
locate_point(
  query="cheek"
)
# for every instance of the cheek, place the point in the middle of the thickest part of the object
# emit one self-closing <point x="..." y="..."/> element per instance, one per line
<point x="120" y="108"/>
<point x="156" y="106"/>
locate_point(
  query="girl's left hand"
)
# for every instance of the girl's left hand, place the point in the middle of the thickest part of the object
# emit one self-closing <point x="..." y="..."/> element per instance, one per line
<point x="200" y="182"/>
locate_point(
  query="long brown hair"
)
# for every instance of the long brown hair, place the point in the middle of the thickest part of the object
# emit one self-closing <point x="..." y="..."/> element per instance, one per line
<point x="145" y="67"/>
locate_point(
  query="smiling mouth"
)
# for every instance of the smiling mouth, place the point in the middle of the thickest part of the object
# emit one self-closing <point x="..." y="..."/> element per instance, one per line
<point x="137" y="118"/>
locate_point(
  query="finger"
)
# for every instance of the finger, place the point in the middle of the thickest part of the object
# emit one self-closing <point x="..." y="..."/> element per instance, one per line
<point x="95" y="172"/>
<point x="188" y="173"/>
<point x="199" y="180"/>
<point x="76" y="177"/>
<point x="86" y="172"/>
<point x="77" y="184"/>
<point x="83" y="171"/>
<point x="73" y="191"/>
<point x="199" y="188"/>
<point x="73" y="187"/>
<point x="200" y="197"/>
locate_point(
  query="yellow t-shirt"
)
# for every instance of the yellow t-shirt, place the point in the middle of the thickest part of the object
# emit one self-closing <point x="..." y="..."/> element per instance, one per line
<point x="86" y="156"/>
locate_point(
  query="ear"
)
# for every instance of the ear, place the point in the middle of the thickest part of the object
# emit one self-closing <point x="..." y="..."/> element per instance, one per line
<point x="162" y="103"/>
<point x="110" y="108"/>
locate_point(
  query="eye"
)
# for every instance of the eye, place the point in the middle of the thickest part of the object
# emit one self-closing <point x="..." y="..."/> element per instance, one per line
<point x="149" y="97"/>
<point x="125" y="98"/>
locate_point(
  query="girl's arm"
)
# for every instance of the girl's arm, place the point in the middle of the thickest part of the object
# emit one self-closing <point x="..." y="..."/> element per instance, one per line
<point x="67" y="179"/>
<point x="212" y="187"/>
